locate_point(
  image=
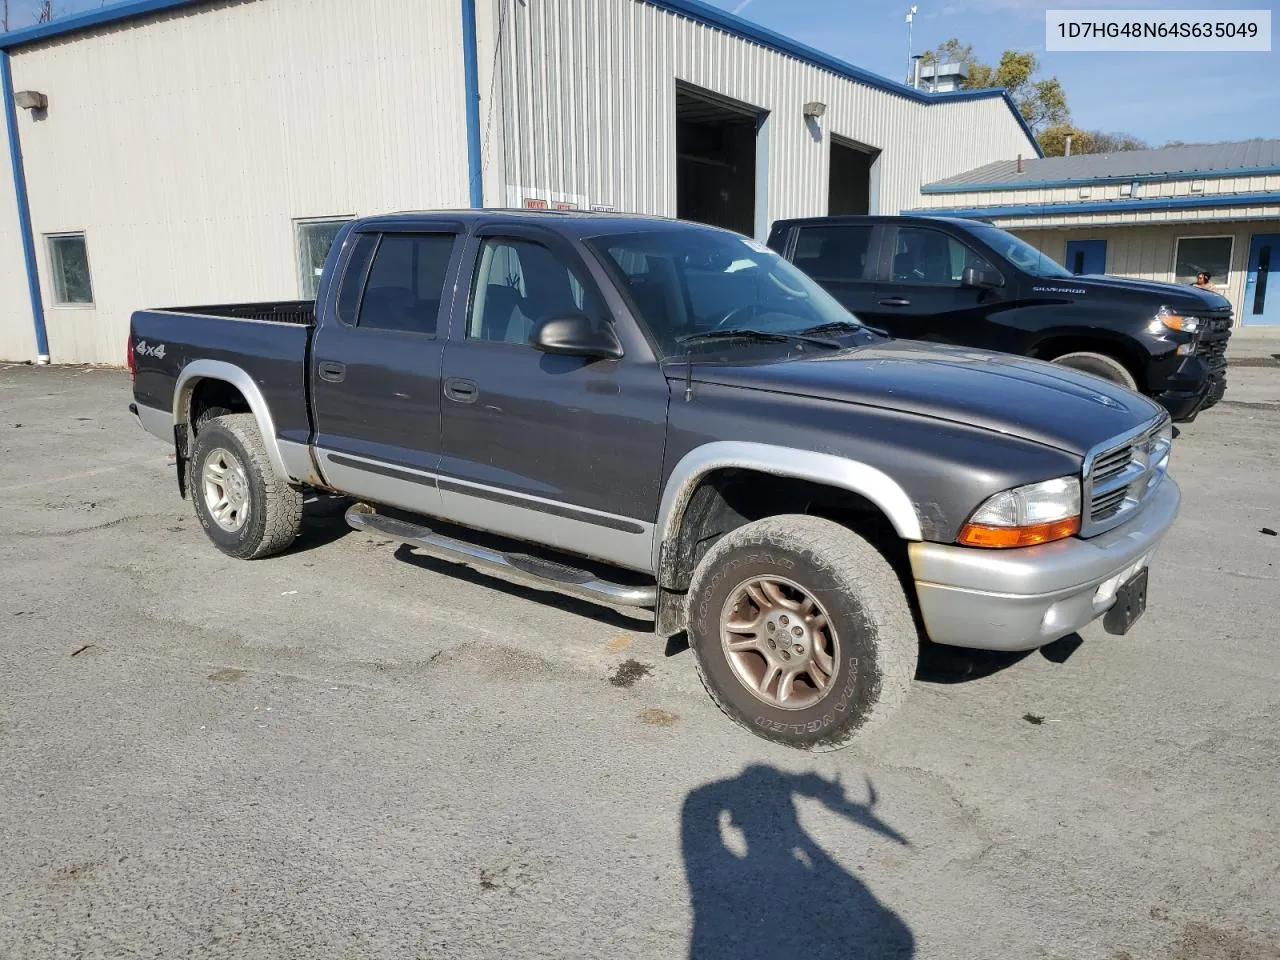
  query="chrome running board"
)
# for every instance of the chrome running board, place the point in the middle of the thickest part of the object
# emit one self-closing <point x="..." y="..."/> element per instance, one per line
<point x="520" y="567"/>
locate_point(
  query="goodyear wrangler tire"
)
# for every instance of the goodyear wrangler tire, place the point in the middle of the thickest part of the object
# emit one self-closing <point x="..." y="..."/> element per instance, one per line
<point x="801" y="632"/>
<point x="246" y="510"/>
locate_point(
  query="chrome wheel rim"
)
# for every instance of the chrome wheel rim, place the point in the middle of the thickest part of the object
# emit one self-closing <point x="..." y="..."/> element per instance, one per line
<point x="779" y="642"/>
<point x="226" y="489"/>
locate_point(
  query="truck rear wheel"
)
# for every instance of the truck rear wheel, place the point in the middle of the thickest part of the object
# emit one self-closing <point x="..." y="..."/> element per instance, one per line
<point x="1100" y="365"/>
<point x="801" y="631"/>
<point x="245" y="508"/>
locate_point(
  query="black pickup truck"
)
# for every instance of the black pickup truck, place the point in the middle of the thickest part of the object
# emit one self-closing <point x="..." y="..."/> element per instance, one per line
<point x="966" y="282"/>
<point x="648" y="413"/>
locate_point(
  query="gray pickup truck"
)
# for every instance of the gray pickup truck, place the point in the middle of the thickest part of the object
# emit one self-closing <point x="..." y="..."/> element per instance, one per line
<point x="649" y="413"/>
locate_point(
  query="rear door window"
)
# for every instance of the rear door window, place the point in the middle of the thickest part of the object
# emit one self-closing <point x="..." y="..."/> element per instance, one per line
<point x="363" y="245"/>
<point x="835" y="252"/>
<point x="406" y="283"/>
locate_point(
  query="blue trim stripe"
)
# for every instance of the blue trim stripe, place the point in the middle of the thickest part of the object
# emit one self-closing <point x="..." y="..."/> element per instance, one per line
<point x="979" y="186"/>
<point x="101" y="17"/>
<point x="24" y="211"/>
<point x="471" y="73"/>
<point x="1104" y="206"/>
<point x="692" y="9"/>
<point x="723" y="20"/>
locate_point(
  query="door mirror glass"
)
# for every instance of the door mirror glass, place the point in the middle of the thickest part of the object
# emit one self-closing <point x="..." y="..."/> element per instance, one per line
<point x="983" y="279"/>
<point x="576" y="335"/>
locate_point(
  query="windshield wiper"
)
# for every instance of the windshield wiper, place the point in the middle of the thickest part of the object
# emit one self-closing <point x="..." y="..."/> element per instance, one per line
<point x="842" y="326"/>
<point x="757" y="336"/>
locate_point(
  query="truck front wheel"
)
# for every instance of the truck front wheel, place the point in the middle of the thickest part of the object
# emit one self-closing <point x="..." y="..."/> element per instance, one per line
<point x="1100" y="365"/>
<point x="801" y="631"/>
<point x="246" y="510"/>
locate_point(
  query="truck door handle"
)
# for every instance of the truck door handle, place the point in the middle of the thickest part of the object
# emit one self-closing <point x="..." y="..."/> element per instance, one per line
<point x="461" y="391"/>
<point x="332" y="371"/>
<point x="895" y="302"/>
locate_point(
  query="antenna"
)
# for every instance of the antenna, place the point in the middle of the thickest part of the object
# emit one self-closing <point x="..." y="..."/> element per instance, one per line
<point x="911" y="16"/>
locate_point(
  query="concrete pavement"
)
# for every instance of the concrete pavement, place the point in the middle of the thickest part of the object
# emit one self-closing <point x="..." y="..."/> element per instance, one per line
<point x="349" y="752"/>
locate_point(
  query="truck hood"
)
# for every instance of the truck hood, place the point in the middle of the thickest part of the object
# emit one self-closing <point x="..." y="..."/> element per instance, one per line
<point x="1036" y="401"/>
<point x="1172" y="294"/>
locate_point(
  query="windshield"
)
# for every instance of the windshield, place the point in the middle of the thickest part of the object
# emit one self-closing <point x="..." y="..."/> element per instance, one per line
<point x="692" y="281"/>
<point x="1020" y="253"/>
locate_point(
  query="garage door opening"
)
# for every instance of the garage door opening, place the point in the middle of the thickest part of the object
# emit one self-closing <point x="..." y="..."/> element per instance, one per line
<point x="717" y="141"/>
<point x="853" y="184"/>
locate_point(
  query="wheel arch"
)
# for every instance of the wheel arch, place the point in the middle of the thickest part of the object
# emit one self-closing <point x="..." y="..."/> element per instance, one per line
<point x="830" y="471"/>
<point x="1118" y="347"/>
<point x="202" y="371"/>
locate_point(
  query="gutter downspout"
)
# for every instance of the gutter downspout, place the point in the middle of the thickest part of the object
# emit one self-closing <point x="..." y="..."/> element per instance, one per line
<point x="24" y="211"/>
<point x="471" y="74"/>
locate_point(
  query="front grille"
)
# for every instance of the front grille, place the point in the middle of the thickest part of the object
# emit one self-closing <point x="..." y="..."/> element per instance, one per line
<point x="1120" y="475"/>
<point x="1112" y="462"/>
<point x="1107" y="505"/>
<point x="1214" y="352"/>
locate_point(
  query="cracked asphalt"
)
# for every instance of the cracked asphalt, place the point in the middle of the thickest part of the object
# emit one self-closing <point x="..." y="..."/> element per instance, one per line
<point x="351" y="752"/>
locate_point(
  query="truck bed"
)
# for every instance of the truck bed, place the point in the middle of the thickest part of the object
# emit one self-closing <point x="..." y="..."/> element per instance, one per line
<point x="269" y="341"/>
<point x="281" y="311"/>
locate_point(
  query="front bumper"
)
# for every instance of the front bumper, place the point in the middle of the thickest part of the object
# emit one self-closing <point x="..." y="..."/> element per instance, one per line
<point x="1200" y="380"/>
<point x="1023" y="599"/>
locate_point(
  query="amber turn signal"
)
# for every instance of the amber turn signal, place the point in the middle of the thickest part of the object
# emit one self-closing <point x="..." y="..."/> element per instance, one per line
<point x="982" y="535"/>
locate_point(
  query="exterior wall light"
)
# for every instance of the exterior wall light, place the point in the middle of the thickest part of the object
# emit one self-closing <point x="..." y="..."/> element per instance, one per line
<point x="815" y="109"/>
<point x="31" y="100"/>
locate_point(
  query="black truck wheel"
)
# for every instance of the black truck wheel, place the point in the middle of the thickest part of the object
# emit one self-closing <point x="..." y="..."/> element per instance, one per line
<point x="246" y="510"/>
<point x="801" y="631"/>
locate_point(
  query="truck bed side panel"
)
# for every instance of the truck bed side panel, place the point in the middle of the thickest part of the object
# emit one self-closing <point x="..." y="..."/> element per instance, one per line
<point x="273" y="354"/>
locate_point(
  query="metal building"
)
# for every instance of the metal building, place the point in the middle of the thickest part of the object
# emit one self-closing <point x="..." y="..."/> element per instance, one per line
<point x="184" y="151"/>
<point x="1165" y="214"/>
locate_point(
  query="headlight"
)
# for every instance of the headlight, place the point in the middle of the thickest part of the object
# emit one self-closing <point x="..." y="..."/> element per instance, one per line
<point x="1024" y="516"/>
<point x="1160" y="451"/>
<point x="1170" y="319"/>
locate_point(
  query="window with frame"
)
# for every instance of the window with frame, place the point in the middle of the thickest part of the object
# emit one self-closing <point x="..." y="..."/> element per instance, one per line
<point x="519" y="284"/>
<point x="405" y="283"/>
<point x="313" y="240"/>
<point x="1211" y="255"/>
<point x="925" y="256"/>
<point x="69" y="265"/>
<point x="835" y="252"/>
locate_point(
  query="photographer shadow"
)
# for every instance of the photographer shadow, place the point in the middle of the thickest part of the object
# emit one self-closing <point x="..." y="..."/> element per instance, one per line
<point x="763" y="889"/>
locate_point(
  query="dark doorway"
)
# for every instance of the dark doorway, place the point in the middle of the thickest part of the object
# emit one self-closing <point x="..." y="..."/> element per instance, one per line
<point x="851" y="184"/>
<point x="716" y="159"/>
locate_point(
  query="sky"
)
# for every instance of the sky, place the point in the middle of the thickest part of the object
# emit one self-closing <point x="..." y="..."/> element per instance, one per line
<point x="1159" y="97"/>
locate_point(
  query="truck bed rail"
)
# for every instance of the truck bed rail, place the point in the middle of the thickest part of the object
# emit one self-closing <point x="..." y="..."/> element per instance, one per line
<point x="302" y="312"/>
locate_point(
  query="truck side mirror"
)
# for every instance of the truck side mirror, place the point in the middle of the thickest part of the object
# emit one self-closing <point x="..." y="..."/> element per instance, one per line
<point x="982" y="279"/>
<point x="576" y="335"/>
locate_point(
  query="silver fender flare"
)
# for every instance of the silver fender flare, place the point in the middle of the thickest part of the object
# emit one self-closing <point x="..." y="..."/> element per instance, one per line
<point x="852" y="475"/>
<point x="199" y="370"/>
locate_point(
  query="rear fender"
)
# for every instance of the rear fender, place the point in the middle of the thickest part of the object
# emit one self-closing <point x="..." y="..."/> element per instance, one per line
<point x="199" y="370"/>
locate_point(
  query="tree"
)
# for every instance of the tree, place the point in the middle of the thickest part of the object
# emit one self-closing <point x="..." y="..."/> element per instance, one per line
<point x="1042" y="102"/>
<point x="1053" y="141"/>
<point x="45" y="11"/>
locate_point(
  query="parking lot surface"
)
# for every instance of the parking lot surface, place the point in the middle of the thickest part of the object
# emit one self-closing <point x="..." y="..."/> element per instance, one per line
<point x="348" y="751"/>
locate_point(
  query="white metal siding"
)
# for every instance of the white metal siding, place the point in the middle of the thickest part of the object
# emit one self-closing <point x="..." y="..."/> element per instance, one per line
<point x="17" y="335"/>
<point x="185" y="145"/>
<point x="1147" y="252"/>
<point x="1092" y="193"/>
<point x="599" y="128"/>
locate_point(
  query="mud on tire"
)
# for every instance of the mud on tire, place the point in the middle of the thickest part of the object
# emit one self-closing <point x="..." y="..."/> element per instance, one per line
<point x="841" y="608"/>
<point x="273" y="508"/>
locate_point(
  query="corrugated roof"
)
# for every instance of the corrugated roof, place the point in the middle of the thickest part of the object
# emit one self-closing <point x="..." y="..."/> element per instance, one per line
<point x="1165" y="163"/>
